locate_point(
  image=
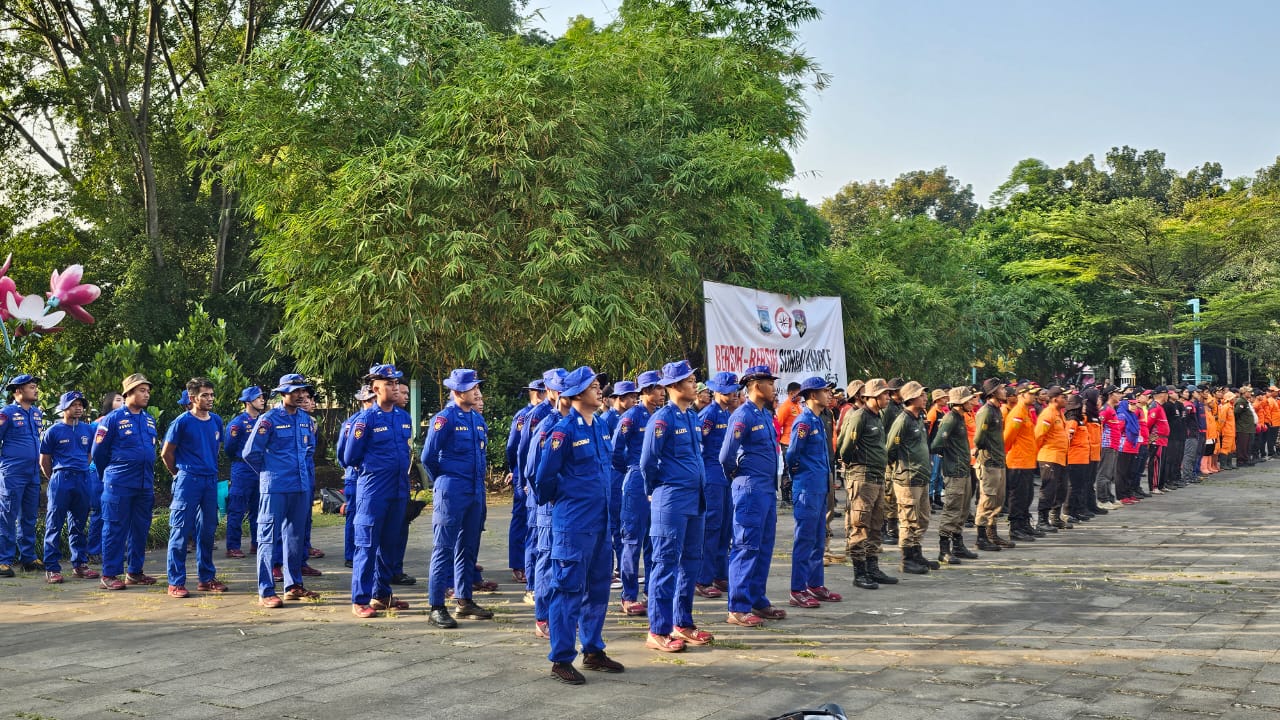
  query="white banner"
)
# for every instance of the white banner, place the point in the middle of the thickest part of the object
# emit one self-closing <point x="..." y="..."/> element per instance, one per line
<point x="797" y="338"/>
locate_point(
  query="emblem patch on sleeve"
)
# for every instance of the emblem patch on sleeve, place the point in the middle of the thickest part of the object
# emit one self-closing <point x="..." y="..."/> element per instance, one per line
<point x="438" y="423"/>
<point x="557" y="439"/>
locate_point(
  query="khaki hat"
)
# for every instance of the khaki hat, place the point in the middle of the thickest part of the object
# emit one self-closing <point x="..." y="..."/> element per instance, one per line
<point x="937" y="395"/>
<point x="875" y="387"/>
<point x="912" y="390"/>
<point x="132" y="382"/>
<point x="854" y="388"/>
<point x="960" y="395"/>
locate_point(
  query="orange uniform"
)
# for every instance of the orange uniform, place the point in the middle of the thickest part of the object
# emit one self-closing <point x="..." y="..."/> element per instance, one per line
<point x="788" y="411"/>
<point x="1094" y="430"/>
<point x="1227" y="428"/>
<point x="1020" y="439"/>
<point x="1051" y="437"/>
<point x="1078" y="447"/>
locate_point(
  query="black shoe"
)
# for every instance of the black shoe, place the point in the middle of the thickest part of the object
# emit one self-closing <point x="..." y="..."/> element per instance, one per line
<point x="441" y="618"/>
<point x="32" y="566"/>
<point x="945" y="554"/>
<point x="6" y="571"/>
<point x="910" y="564"/>
<point x="402" y="579"/>
<point x="567" y="674"/>
<point x="348" y="563"/>
<point x="1020" y="535"/>
<point x="860" y="577"/>
<point x="600" y="663"/>
<point x="467" y="608"/>
<point x="1099" y="511"/>
<point x="968" y="523"/>
<point x="875" y="573"/>
<point x="959" y="550"/>
<point x="984" y="543"/>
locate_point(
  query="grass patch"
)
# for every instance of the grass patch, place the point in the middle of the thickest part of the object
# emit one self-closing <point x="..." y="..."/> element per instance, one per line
<point x="732" y="644"/>
<point x="806" y="654"/>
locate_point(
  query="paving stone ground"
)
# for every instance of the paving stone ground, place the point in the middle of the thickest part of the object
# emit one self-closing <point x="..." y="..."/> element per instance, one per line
<point x="1164" y="610"/>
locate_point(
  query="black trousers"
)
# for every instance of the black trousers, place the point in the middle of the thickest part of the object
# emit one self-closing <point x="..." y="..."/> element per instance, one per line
<point x="1019" y="489"/>
<point x="1053" y="486"/>
<point x="1124" y="480"/>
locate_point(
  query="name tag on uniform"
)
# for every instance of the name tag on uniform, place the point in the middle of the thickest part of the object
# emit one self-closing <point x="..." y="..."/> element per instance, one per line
<point x="579" y="443"/>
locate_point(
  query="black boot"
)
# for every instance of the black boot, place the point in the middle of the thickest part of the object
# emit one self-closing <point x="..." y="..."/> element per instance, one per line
<point x="1021" y="534"/>
<point x="999" y="541"/>
<point x="1044" y="525"/>
<point x="860" y="577"/>
<point x="984" y="543"/>
<point x="945" y="554"/>
<point x="910" y="563"/>
<point x="1055" y="520"/>
<point x="959" y="550"/>
<point x="875" y="573"/>
<point x="1033" y="529"/>
<point x="889" y="535"/>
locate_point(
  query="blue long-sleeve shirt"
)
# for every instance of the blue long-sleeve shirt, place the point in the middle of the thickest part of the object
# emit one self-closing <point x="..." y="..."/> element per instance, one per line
<point x="380" y="445"/>
<point x="1132" y="425"/>
<point x="809" y="455"/>
<point x="573" y="473"/>
<point x="750" y="447"/>
<point x="235" y="437"/>
<point x="611" y="418"/>
<point x="196" y="443"/>
<point x="67" y="446"/>
<point x="280" y="449"/>
<point x="124" y="449"/>
<point x="671" y="457"/>
<point x="715" y="424"/>
<point x="628" y="441"/>
<point x="536" y="415"/>
<point x="20" y="439"/>
<point x="537" y="444"/>
<point x="454" y="454"/>
<point x="512" y="450"/>
<point x="349" y="472"/>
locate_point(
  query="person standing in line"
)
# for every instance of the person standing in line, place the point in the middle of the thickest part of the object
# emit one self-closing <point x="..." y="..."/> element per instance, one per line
<point x="20" y="425"/>
<point x="909" y="465"/>
<point x="809" y="460"/>
<point x="242" y="496"/>
<point x="635" y="512"/>
<point x="64" y="459"/>
<point x="190" y="454"/>
<point x="124" y="449"/>
<point x="713" y="576"/>
<point x="861" y="448"/>
<point x="1020" y="458"/>
<point x="518" y="529"/>
<point x="951" y="445"/>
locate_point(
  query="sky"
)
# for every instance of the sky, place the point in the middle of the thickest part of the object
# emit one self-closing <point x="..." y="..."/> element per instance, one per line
<point x="979" y="85"/>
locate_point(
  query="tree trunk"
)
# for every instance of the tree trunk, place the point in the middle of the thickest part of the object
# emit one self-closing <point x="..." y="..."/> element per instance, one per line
<point x="1229" y="373"/>
<point x="226" y="218"/>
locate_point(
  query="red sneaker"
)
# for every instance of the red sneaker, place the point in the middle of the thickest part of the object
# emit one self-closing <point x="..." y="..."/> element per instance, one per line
<point x="770" y="613"/>
<point x="664" y="643"/>
<point x="270" y="601"/>
<point x="541" y="630"/>
<point x="111" y="582"/>
<point x="363" y="611"/>
<point x="297" y="592"/>
<point x="707" y="591"/>
<point x="84" y="572"/>
<point x="308" y="571"/>
<point x="721" y="585"/>
<point x="745" y="619"/>
<point x="692" y="635"/>
<point x="139" y="579"/>
<point x="388" y="603"/>
<point x="277" y="574"/>
<point x="178" y="591"/>
<point x="316" y="553"/>
<point x="803" y="599"/>
<point x="822" y="593"/>
<point x="236" y="554"/>
<point x="634" y="607"/>
<point x="484" y="586"/>
<point x="211" y="586"/>
<point x="53" y="578"/>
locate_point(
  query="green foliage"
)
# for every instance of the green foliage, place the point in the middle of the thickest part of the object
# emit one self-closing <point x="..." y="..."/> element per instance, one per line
<point x="572" y="196"/>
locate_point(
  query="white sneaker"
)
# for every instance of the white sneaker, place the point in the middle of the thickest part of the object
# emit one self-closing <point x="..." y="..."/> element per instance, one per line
<point x="1157" y="491"/>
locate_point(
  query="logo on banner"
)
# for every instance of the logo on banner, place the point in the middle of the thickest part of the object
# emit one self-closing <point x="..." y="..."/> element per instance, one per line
<point x="802" y="323"/>
<point x="763" y="312"/>
<point x="783" y="320"/>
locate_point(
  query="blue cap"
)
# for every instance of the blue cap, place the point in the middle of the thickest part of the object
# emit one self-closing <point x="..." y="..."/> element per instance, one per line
<point x="538" y="385"/>
<point x="462" y="380"/>
<point x="674" y="372"/>
<point x="291" y="382"/>
<point x="648" y="379"/>
<point x="813" y="383"/>
<point x="757" y="372"/>
<point x="578" y="380"/>
<point x="382" y="372"/>
<point x="624" y="387"/>
<point x="20" y="380"/>
<point x="70" y="397"/>
<point x="725" y="383"/>
<point x="251" y="393"/>
<point x="553" y="379"/>
<point x="184" y="399"/>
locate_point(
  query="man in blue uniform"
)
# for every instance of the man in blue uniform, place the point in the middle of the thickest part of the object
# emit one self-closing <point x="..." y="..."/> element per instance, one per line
<point x="671" y="465"/>
<point x="365" y="397"/>
<point x="124" y="450"/>
<point x="751" y="459"/>
<point x="381" y="447"/>
<point x="518" y="530"/>
<point x="454" y="457"/>
<point x="634" y="512"/>
<point x="809" y="460"/>
<point x="400" y="546"/>
<point x="713" y="576"/>
<point x="64" y="459"/>
<point x="242" y="496"/>
<point x="280" y="450"/>
<point x="20" y="426"/>
<point x="625" y="395"/>
<point x="190" y="454"/>
<point x="540" y="561"/>
<point x="572" y="477"/>
<point x="110" y="401"/>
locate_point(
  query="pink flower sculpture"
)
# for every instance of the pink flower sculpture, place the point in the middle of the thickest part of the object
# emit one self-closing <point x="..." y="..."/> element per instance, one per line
<point x="66" y="293"/>
<point x="7" y="288"/>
